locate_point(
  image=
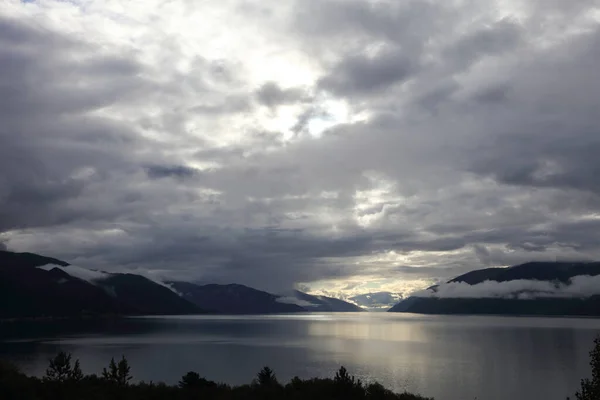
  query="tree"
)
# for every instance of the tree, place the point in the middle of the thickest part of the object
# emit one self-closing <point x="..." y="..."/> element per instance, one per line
<point x="118" y="373"/>
<point x="590" y="388"/>
<point x="266" y="378"/>
<point x="346" y="386"/>
<point x="192" y="380"/>
<point x="343" y="378"/>
<point x="8" y="370"/>
<point x="61" y="370"/>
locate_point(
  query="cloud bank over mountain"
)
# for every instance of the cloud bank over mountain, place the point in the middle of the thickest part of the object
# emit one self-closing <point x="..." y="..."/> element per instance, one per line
<point x="577" y="287"/>
<point x="350" y="146"/>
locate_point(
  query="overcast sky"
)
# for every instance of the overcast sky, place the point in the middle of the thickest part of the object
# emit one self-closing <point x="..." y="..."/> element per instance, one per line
<point x="346" y="146"/>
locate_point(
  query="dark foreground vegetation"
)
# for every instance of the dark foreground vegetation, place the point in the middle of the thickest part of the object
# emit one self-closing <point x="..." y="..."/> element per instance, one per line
<point x="64" y="380"/>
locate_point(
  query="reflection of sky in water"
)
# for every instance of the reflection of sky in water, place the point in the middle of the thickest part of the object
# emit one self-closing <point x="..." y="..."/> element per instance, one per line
<point x="446" y="357"/>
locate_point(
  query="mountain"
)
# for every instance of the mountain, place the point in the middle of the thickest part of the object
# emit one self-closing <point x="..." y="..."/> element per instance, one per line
<point x="27" y="260"/>
<point x="540" y="271"/>
<point x="233" y="299"/>
<point x="542" y="306"/>
<point x="526" y="297"/>
<point x="31" y="287"/>
<point x="240" y="299"/>
<point x="324" y="303"/>
<point x="145" y="296"/>
<point x="378" y="300"/>
<point x="28" y="291"/>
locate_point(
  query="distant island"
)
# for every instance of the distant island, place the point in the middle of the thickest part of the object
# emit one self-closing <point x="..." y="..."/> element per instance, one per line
<point x="535" y="288"/>
<point x="35" y="286"/>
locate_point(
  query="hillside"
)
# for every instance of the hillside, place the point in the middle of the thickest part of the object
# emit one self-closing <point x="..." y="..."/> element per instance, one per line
<point x="36" y="286"/>
<point x="232" y="299"/>
<point x="325" y="304"/>
<point x="146" y="296"/>
<point x="535" y="288"/>
<point x="240" y="299"/>
<point x="541" y="271"/>
<point x="33" y="286"/>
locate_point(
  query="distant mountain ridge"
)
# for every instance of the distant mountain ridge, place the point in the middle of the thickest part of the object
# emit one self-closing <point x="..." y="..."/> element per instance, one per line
<point x="376" y="300"/>
<point x="34" y="286"/>
<point x="28" y="291"/>
<point x="556" y="275"/>
<point x="541" y="271"/>
<point x="232" y="299"/>
<point x="146" y="296"/>
<point x="325" y="304"/>
<point x="240" y="299"/>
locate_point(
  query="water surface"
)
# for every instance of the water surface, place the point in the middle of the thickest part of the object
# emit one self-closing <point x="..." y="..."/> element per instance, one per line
<point x="448" y="357"/>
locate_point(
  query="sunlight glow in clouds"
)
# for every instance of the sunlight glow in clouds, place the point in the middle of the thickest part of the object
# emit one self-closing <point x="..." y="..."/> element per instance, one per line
<point x="351" y="146"/>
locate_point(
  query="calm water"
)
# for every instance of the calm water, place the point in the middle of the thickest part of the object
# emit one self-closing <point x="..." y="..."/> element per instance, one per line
<point x="448" y="357"/>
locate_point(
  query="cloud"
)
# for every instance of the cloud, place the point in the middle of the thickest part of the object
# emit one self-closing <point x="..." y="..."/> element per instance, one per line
<point x="578" y="287"/>
<point x="378" y="300"/>
<point x="170" y="171"/>
<point x="350" y="146"/>
<point x="79" y="272"/>
<point x="363" y="74"/>
<point x="294" y="300"/>
<point x="271" y="95"/>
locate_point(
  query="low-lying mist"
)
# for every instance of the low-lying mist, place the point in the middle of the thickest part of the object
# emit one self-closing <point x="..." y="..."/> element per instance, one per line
<point x="577" y="287"/>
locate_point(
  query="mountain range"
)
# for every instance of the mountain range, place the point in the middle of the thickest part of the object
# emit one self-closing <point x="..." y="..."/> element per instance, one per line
<point x="376" y="301"/>
<point x="35" y="286"/>
<point x="324" y="303"/>
<point x="232" y="299"/>
<point x="535" y="288"/>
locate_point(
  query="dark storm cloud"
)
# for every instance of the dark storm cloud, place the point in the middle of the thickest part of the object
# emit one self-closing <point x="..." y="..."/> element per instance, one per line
<point x="552" y="141"/>
<point x="170" y="171"/>
<point x="50" y="152"/>
<point x="212" y="256"/>
<point x="361" y="74"/>
<point x="394" y="21"/>
<point x="271" y="95"/>
<point x="496" y="38"/>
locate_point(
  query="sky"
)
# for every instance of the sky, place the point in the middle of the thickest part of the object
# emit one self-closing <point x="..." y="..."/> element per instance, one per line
<point x="341" y="147"/>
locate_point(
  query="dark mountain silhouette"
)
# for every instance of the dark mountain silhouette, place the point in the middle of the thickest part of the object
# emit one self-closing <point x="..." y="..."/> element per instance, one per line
<point x="542" y="306"/>
<point x="145" y="296"/>
<point x="556" y="272"/>
<point x="240" y="299"/>
<point x="325" y="304"/>
<point x="540" y="271"/>
<point x="233" y="299"/>
<point x="27" y="291"/>
<point x="9" y="258"/>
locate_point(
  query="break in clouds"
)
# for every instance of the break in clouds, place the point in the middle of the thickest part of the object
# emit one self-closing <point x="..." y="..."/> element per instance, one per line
<point x="348" y="146"/>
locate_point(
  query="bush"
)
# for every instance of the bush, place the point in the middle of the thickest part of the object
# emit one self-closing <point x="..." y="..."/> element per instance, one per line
<point x="590" y="388"/>
<point x="118" y="373"/>
<point x="64" y="380"/>
<point x="60" y="369"/>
